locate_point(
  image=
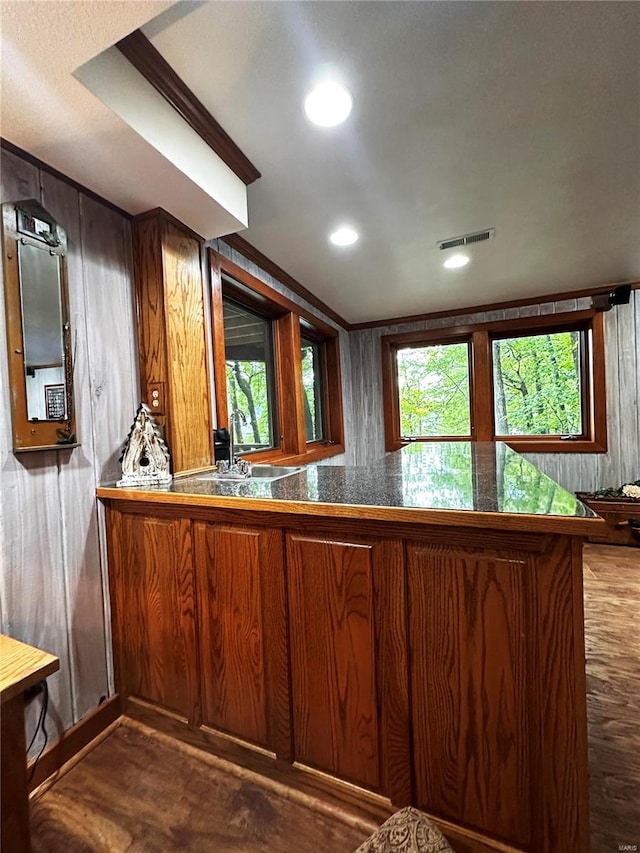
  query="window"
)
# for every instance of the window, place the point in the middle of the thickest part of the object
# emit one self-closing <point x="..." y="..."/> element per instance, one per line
<point x="276" y="370"/>
<point x="433" y="390"/>
<point x="313" y="389"/>
<point x="536" y="383"/>
<point x="248" y="350"/>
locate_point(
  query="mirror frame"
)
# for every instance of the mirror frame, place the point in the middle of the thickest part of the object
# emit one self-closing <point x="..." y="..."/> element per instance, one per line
<point x="35" y="434"/>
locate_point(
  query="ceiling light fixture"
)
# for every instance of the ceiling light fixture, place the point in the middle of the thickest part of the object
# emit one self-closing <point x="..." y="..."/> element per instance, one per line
<point x="328" y="104"/>
<point x="344" y="236"/>
<point x="456" y="261"/>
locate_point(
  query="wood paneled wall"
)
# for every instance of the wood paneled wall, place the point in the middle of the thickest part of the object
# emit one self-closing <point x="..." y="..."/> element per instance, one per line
<point x="343" y="336"/>
<point x="52" y="572"/>
<point x="574" y="471"/>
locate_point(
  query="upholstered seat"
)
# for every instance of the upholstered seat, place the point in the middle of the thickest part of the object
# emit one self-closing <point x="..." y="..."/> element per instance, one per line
<point x="406" y="831"/>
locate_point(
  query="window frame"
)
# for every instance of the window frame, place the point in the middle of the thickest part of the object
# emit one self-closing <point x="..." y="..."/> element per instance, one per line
<point x="232" y="281"/>
<point x="480" y="337"/>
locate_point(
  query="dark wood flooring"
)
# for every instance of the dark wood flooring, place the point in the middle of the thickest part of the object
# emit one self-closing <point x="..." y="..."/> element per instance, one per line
<point x="612" y="640"/>
<point x="140" y="791"/>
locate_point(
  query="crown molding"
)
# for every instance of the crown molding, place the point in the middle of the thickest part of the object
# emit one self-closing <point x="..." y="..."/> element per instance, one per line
<point x="492" y="306"/>
<point x="235" y="241"/>
<point x="137" y="48"/>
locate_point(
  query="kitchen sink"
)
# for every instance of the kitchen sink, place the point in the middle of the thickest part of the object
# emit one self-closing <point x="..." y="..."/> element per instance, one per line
<point x="274" y="472"/>
<point x="263" y="473"/>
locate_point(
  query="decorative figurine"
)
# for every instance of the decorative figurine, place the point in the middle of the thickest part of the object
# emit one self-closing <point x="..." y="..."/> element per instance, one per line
<point x="145" y="457"/>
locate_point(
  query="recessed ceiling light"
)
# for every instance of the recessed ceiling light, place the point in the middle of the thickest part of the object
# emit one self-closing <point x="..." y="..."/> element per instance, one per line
<point x="455" y="261"/>
<point x="344" y="236"/>
<point x="328" y="104"/>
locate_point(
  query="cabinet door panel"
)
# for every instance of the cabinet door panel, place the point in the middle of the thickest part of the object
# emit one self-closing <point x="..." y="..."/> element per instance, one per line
<point x="470" y="632"/>
<point x="243" y="633"/>
<point x="348" y="667"/>
<point x="155" y="611"/>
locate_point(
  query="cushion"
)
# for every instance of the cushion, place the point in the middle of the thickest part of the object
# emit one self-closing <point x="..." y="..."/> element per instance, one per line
<point x="406" y="831"/>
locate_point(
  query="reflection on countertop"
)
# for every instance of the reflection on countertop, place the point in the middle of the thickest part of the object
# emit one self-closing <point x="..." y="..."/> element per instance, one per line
<point x="454" y="476"/>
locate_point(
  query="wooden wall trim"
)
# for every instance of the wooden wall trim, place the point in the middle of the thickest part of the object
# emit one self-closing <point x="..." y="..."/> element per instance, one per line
<point x="74" y="740"/>
<point x="40" y="164"/>
<point x="235" y="241"/>
<point x="137" y="48"/>
<point x="491" y="306"/>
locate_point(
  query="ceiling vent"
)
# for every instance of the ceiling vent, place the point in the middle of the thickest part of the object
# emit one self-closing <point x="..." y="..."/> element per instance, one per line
<point x="467" y="239"/>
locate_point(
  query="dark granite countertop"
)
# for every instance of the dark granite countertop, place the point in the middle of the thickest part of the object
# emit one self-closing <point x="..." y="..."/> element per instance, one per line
<point x="422" y="482"/>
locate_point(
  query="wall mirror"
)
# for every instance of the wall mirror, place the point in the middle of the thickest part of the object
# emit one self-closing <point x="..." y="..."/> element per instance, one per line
<point x="38" y="331"/>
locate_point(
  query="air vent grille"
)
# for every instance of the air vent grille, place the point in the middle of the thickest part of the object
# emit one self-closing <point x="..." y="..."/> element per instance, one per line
<point x="467" y="239"/>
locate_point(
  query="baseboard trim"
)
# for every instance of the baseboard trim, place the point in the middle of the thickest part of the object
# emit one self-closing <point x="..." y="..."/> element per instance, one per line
<point x="74" y="740"/>
<point x="367" y="807"/>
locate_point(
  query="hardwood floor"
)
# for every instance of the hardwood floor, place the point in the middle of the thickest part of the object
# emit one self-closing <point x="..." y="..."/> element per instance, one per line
<point x="142" y="791"/>
<point x="612" y="639"/>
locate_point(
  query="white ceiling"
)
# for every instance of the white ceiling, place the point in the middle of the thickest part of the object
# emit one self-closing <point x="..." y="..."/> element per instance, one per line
<point x="520" y="116"/>
<point x="49" y="113"/>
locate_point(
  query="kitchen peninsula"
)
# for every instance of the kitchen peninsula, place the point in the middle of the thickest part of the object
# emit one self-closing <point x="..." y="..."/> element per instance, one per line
<point x="406" y="632"/>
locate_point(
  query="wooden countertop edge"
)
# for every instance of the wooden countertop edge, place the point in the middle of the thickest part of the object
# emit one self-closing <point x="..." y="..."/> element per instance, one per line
<point x="21" y="666"/>
<point x="448" y="518"/>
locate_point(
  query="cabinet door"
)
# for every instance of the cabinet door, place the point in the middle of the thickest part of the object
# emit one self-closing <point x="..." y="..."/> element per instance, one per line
<point x="349" y="677"/>
<point x="243" y="637"/>
<point x="473" y="701"/>
<point x="154" y="611"/>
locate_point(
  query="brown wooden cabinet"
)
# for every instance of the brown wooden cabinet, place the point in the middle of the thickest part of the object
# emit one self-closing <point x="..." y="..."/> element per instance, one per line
<point x="243" y="634"/>
<point x="153" y="611"/>
<point x="172" y="340"/>
<point x="348" y="659"/>
<point x="398" y="662"/>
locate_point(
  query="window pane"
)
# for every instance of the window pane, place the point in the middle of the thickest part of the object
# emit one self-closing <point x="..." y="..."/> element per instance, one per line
<point x="249" y="370"/>
<point x="537" y="387"/>
<point x="313" y="390"/>
<point x="433" y="385"/>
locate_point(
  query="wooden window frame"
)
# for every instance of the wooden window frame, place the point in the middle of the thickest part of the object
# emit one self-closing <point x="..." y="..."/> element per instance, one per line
<point x="480" y="337"/>
<point x="232" y="281"/>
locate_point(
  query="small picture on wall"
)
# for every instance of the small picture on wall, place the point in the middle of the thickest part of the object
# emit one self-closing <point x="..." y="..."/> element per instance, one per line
<point x="54" y="400"/>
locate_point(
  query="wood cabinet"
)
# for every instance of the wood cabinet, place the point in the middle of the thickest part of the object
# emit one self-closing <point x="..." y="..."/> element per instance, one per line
<point x="172" y="339"/>
<point x="153" y="611"/>
<point x="243" y="636"/>
<point x="349" y="677"/>
<point x="622" y="517"/>
<point x="441" y="667"/>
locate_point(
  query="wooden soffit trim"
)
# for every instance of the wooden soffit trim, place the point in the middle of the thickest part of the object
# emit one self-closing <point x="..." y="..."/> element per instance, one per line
<point x="235" y="241"/>
<point x="137" y="48"/>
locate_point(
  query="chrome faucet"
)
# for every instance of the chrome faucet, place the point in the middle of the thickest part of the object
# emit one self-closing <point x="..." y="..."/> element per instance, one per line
<point x="234" y="413"/>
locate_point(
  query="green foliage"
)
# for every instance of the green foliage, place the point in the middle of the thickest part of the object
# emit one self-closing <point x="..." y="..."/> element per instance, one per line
<point x="537" y="384"/>
<point x="536" y="387"/>
<point x="312" y="411"/>
<point x="248" y="400"/>
<point x="433" y="384"/>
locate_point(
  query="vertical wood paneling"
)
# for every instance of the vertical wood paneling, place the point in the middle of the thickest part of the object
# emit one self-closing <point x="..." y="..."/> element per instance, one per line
<point x="628" y="369"/>
<point x="33" y="580"/>
<point x="469" y="626"/>
<point x="77" y="483"/>
<point x="110" y="323"/>
<point x="333" y="679"/>
<point x="51" y="584"/>
<point x="609" y="464"/>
